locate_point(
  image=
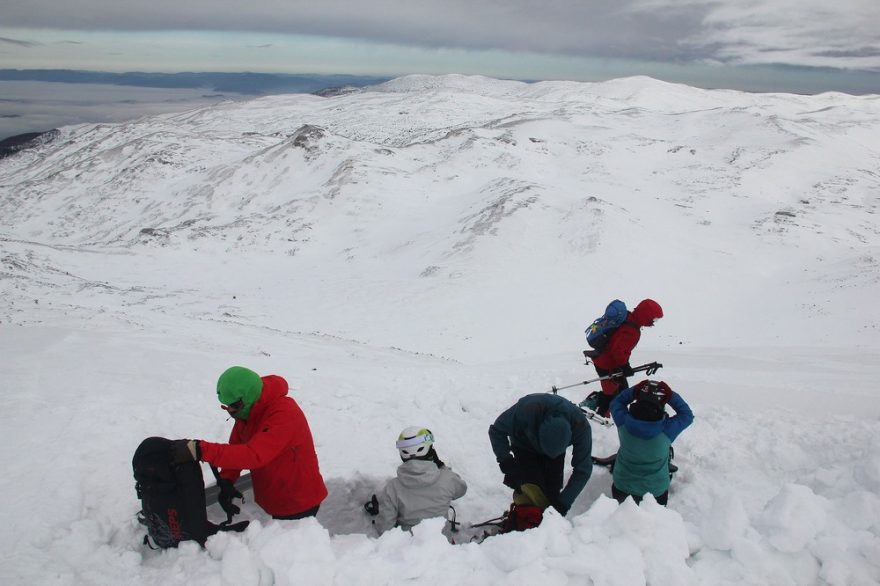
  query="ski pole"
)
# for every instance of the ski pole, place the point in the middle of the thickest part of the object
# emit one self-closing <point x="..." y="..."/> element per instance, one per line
<point x="649" y="369"/>
<point x="555" y="389"/>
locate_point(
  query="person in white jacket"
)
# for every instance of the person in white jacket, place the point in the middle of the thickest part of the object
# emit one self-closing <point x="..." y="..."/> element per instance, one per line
<point x="424" y="488"/>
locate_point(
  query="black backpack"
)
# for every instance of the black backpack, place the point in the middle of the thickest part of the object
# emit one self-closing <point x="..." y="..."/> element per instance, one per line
<point x="172" y="496"/>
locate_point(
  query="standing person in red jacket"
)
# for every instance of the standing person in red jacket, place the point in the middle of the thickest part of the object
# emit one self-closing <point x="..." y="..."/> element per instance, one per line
<point x="614" y="358"/>
<point x="271" y="438"/>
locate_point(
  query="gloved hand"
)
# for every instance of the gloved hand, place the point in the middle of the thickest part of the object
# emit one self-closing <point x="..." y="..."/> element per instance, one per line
<point x="638" y="388"/>
<point x="227" y="493"/>
<point x="655" y="391"/>
<point x="667" y="392"/>
<point x="185" y="450"/>
<point x="624" y="371"/>
<point x="372" y="506"/>
<point x="563" y="509"/>
<point x="512" y="473"/>
<point x="603" y="404"/>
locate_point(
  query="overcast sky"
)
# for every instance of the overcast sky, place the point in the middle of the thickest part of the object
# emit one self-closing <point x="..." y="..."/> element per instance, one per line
<point x="710" y="43"/>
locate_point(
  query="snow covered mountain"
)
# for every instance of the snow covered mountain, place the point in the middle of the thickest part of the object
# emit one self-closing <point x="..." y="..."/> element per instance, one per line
<point x="477" y="184"/>
<point x="425" y="251"/>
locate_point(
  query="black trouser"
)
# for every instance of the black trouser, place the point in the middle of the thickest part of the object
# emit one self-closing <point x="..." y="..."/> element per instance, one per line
<point x="309" y="513"/>
<point x="608" y="386"/>
<point x="621" y="496"/>
<point x="541" y="470"/>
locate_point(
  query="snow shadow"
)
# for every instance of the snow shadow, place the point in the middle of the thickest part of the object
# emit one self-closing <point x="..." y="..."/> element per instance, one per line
<point x="342" y="512"/>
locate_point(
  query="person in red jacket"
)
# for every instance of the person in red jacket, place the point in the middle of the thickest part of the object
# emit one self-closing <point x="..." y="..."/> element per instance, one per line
<point x="272" y="439"/>
<point x="614" y="358"/>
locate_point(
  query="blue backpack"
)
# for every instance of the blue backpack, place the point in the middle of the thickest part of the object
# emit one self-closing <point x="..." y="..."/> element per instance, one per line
<point x="601" y="329"/>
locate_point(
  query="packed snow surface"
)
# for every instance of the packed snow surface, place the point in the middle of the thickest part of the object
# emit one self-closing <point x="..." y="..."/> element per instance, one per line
<point x="425" y="252"/>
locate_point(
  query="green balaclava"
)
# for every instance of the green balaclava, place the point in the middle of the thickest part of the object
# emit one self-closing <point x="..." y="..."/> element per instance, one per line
<point x="239" y="383"/>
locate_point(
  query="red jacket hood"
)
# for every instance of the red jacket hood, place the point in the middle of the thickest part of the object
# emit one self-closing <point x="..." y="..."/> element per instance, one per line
<point x="274" y="387"/>
<point x="646" y="312"/>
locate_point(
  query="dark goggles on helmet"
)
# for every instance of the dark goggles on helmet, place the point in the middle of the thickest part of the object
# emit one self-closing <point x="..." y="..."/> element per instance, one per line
<point x="233" y="408"/>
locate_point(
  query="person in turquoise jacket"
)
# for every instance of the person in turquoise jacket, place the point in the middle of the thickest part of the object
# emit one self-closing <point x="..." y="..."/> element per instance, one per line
<point x="646" y="433"/>
<point x="530" y="439"/>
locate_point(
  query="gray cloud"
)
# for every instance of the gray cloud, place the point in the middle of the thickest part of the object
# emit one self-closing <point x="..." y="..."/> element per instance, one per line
<point x="611" y="28"/>
<point x="842" y="34"/>
<point x="815" y="33"/>
<point x="18" y="43"/>
<point x="863" y="52"/>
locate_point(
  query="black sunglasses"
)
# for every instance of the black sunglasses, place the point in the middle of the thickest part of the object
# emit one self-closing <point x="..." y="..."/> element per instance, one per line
<point x="233" y="408"/>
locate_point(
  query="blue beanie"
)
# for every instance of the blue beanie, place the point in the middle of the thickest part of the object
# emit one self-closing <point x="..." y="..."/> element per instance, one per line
<point x="554" y="436"/>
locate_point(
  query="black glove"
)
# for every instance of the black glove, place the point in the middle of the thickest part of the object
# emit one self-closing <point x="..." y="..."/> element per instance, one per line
<point x="227" y="493"/>
<point x="372" y="506"/>
<point x="512" y="473"/>
<point x="184" y="451"/>
<point x="624" y="371"/>
<point x="563" y="509"/>
<point x="603" y="403"/>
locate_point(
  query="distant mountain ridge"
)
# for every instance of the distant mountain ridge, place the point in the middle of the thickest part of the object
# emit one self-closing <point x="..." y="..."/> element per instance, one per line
<point x="14" y="144"/>
<point x="328" y="145"/>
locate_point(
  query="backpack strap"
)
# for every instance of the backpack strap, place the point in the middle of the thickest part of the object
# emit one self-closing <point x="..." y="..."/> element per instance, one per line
<point x="227" y="526"/>
<point x="216" y="473"/>
<point x="494" y="522"/>
<point x="629" y="323"/>
<point x="147" y="542"/>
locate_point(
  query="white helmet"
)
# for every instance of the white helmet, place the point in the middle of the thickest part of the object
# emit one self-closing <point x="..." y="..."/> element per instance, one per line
<point x="414" y="442"/>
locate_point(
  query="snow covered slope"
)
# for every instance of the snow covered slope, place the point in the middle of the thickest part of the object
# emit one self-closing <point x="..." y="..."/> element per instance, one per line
<point x="425" y="252"/>
<point x="443" y="193"/>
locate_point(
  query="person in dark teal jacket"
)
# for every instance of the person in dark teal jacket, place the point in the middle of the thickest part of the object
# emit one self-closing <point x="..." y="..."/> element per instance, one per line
<point x="530" y="439"/>
<point x="646" y="433"/>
